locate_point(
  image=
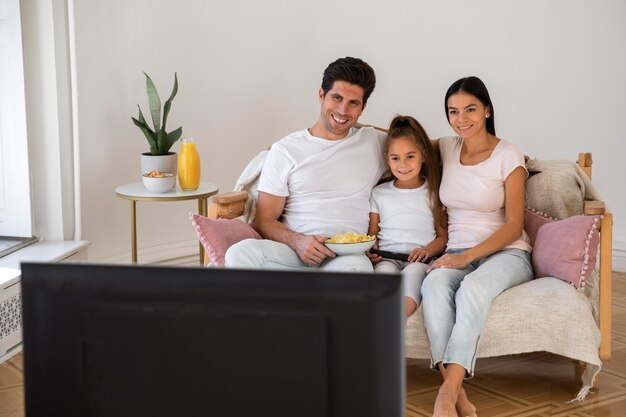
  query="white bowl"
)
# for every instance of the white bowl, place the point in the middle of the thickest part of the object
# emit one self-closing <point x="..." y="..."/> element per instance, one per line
<point x="159" y="185"/>
<point x="350" y="248"/>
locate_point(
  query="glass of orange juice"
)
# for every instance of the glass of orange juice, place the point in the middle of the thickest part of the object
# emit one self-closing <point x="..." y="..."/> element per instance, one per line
<point x="189" y="165"/>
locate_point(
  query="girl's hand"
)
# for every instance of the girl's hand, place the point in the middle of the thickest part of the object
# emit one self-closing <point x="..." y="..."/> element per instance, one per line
<point x="374" y="257"/>
<point x="451" y="261"/>
<point x="419" y="255"/>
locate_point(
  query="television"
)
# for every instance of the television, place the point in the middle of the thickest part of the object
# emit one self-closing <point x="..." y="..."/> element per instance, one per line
<point x="133" y="340"/>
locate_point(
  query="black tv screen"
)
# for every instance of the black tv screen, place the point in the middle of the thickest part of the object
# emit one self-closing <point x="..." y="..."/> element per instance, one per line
<point x="105" y="340"/>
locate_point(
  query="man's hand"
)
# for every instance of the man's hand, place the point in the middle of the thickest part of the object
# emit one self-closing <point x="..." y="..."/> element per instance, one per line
<point x="310" y="248"/>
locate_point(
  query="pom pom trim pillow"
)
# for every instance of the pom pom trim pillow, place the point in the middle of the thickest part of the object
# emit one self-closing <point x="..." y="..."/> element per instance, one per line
<point x="567" y="249"/>
<point x="217" y="235"/>
<point x="533" y="220"/>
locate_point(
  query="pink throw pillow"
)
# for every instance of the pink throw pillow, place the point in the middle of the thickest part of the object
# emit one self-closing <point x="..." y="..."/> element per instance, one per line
<point x="567" y="249"/>
<point x="533" y="220"/>
<point x="217" y="235"/>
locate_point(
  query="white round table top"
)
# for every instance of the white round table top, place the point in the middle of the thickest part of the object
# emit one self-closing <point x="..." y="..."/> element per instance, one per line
<point x="136" y="191"/>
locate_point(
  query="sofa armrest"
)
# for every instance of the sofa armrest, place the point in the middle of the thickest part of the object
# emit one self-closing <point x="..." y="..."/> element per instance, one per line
<point x="228" y="205"/>
<point x="605" y="292"/>
<point x="595" y="207"/>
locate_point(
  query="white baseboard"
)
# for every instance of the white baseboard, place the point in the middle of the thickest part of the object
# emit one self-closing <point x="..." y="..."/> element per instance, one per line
<point x="619" y="255"/>
<point x="153" y="252"/>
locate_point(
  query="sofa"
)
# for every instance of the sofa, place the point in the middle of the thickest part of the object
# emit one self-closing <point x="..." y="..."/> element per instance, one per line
<point x="564" y="315"/>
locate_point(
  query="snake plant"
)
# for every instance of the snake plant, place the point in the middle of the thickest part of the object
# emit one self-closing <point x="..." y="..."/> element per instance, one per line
<point x="160" y="141"/>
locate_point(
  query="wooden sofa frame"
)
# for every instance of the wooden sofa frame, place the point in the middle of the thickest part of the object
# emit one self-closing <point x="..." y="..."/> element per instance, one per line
<point x="232" y="204"/>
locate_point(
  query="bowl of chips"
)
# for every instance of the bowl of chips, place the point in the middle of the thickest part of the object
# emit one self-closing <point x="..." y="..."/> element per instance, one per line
<point x="350" y="243"/>
<point x="159" y="182"/>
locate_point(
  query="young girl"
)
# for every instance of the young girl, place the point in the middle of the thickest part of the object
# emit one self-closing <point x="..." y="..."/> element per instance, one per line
<point x="406" y="214"/>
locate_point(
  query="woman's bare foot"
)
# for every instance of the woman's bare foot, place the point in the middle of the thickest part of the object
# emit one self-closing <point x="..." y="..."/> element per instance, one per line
<point x="464" y="407"/>
<point x="445" y="404"/>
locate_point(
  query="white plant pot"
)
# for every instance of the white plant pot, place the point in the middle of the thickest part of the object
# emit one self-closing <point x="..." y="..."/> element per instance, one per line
<point x="164" y="163"/>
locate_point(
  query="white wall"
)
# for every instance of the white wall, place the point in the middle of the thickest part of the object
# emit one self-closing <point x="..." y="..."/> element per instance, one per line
<point x="249" y="72"/>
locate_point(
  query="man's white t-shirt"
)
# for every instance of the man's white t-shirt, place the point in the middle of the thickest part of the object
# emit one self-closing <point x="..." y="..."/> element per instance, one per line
<point x="406" y="220"/>
<point x="327" y="183"/>
<point x="474" y="194"/>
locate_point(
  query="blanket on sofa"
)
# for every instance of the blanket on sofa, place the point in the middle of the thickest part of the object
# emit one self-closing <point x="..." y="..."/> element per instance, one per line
<point x="559" y="188"/>
<point x="248" y="181"/>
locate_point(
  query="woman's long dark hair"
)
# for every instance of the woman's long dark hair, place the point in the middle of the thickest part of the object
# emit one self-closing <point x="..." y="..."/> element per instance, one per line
<point x="407" y="126"/>
<point x="474" y="86"/>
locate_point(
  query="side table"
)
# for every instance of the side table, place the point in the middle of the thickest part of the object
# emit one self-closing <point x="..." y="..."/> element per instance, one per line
<point x="136" y="192"/>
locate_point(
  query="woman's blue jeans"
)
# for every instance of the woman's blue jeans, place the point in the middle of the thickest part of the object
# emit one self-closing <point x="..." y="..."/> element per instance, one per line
<point x="456" y="303"/>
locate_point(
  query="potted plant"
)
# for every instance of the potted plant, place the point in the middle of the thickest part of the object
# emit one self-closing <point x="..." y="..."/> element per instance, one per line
<point x="159" y="139"/>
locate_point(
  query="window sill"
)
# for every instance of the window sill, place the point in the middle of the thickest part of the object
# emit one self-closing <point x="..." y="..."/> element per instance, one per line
<point x="47" y="251"/>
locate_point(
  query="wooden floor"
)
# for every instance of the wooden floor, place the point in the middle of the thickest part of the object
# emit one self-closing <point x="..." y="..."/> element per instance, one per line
<point x="531" y="385"/>
<point x="12" y="387"/>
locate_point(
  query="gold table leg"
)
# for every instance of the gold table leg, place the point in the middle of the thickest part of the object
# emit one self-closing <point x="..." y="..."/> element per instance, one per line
<point x="133" y="231"/>
<point x="202" y="210"/>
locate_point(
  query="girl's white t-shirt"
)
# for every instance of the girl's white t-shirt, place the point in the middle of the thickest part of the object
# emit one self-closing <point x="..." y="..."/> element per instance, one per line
<point x="406" y="220"/>
<point x="327" y="183"/>
<point x="474" y="194"/>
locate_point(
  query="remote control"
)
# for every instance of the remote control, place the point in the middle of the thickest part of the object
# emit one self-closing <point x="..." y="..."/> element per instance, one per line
<point x="391" y="255"/>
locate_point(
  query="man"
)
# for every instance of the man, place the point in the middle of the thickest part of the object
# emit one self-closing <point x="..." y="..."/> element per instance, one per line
<point x="317" y="182"/>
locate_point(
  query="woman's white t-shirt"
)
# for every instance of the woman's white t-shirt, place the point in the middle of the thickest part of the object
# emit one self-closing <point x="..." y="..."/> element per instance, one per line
<point x="474" y="194"/>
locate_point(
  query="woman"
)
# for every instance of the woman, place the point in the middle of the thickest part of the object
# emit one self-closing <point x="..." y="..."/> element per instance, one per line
<point x="487" y="252"/>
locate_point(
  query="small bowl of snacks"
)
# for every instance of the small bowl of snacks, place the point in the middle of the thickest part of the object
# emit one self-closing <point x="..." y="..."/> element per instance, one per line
<point x="350" y="243"/>
<point x="159" y="182"/>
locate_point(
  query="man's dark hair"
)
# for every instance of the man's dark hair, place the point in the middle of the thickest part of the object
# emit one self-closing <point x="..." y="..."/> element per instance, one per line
<point x="352" y="70"/>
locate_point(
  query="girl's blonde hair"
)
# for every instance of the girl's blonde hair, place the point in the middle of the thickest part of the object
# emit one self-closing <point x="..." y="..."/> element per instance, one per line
<point x="407" y="126"/>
